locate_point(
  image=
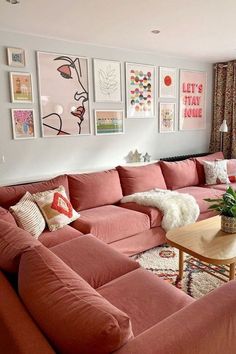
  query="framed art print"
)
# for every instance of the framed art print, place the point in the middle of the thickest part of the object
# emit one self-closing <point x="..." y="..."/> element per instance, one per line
<point x="109" y="122"/>
<point x="21" y="87"/>
<point x="16" y="57"/>
<point x="23" y="123"/>
<point x="107" y="80"/>
<point x="64" y="94"/>
<point x="167" y="117"/>
<point x="140" y="90"/>
<point x="167" y="83"/>
<point x="192" y="111"/>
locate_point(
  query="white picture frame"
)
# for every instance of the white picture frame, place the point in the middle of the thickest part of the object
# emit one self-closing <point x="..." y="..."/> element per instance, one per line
<point x="23" y="123"/>
<point x="16" y="57"/>
<point x="167" y="117"/>
<point x="192" y="99"/>
<point x="21" y="86"/>
<point x="109" y="122"/>
<point x="167" y="82"/>
<point x="64" y="95"/>
<point x="140" y="90"/>
<point x="107" y="80"/>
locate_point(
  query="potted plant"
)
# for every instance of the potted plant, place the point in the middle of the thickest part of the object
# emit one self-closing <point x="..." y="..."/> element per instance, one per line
<point x="226" y="207"/>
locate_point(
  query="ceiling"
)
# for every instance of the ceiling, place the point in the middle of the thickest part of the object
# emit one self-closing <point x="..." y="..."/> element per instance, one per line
<point x="200" y="29"/>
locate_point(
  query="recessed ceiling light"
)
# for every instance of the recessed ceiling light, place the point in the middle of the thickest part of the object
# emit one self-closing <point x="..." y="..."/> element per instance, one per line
<point x="155" y="31"/>
<point x="13" y="2"/>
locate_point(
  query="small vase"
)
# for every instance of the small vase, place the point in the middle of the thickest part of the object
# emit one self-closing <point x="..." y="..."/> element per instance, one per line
<point x="228" y="224"/>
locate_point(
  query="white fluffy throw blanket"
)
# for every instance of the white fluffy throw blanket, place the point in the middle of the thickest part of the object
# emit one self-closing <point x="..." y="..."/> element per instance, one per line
<point x="178" y="209"/>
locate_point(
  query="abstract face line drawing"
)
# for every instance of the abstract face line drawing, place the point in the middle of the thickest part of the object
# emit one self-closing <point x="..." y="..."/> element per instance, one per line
<point x="80" y="96"/>
<point x="64" y="96"/>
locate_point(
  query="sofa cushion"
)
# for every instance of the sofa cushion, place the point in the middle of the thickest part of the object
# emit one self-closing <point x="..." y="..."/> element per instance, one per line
<point x="53" y="238"/>
<point x="7" y="216"/>
<point x="215" y="171"/>
<point x="18" y="332"/>
<point x="13" y="242"/>
<point x="148" y="299"/>
<point x="93" y="260"/>
<point x="200" y="193"/>
<point x="154" y="214"/>
<point x="90" y="190"/>
<point x="75" y="318"/>
<point x="141" y="178"/>
<point x="56" y="208"/>
<point x="200" y="169"/>
<point x="231" y="167"/>
<point x="180" y="174"/>
<point x="223" y="186"/>
<point x="110" y="223"/>
<point x="11" y="195"/>
<point x="28" y="216"/>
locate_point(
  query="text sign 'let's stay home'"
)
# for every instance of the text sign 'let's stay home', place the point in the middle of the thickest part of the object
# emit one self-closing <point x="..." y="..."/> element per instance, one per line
<point x="192" y="100"/>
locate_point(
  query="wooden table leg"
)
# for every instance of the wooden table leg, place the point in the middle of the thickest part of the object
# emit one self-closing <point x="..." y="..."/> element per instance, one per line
<point x="181" y="264"/>
<point x="232" y="271"/>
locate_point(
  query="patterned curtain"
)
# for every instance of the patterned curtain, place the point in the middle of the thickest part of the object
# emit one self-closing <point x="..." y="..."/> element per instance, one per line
<point x="224" y="108"/>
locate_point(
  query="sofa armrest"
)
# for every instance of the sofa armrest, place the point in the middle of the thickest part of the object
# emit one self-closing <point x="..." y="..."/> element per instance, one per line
<point x="208" y="325"/>
<point x="18" y="332"/>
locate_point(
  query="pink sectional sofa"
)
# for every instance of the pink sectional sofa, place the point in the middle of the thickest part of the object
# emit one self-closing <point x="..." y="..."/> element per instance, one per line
<point x="129" y="228"/>
<point x="84" y="297"/>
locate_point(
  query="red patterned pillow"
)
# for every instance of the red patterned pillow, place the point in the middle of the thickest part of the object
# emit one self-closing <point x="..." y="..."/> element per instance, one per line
<point x="56" y="208"/>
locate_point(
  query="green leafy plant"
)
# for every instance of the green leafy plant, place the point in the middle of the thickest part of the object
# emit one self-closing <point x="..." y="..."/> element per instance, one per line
<point x="226" y="205"/>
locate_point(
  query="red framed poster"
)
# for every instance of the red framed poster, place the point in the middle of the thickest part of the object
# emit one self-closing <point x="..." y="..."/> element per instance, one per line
<point x="192" y="114"/>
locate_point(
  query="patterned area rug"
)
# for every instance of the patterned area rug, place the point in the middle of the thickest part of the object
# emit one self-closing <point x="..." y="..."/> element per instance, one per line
<point x="163" y="261"/>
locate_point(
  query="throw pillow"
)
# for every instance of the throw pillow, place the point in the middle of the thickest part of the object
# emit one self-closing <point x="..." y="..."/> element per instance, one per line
<point x="216" y="171"/>
<point x="28" y="215"/>
<point x="232" y="179"/>
<point x="56" y="208"/>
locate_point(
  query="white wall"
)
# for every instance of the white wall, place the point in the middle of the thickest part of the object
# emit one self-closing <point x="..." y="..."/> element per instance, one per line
<point x="29" y="159"/>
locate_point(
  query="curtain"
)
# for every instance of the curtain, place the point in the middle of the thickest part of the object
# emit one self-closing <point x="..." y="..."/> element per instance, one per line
<point x="224" y="107"/>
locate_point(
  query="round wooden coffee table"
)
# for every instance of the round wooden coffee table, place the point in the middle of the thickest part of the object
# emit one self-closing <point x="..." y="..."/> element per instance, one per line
<point x="209" y="245"/>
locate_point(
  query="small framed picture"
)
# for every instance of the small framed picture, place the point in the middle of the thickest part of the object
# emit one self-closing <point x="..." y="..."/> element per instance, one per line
<point x="109" y="122"/>
<point x="23" y="123"/>
<point x="16" y="57"/>
<point x="167" y="83"/>
<point x="167" y="117"/>
<point x="21" y="87"/>
<point x="107" y="80"/>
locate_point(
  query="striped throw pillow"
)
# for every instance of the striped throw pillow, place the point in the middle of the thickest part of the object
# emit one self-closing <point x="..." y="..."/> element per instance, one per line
<point x="28" y="215"/>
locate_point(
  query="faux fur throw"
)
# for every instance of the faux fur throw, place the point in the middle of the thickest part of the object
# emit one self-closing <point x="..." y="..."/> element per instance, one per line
<point x="178" y="209"/>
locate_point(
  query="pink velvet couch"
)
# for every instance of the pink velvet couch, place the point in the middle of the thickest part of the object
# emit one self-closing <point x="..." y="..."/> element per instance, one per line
<point x="129" y="228"/>
<point x="84" y="297"/>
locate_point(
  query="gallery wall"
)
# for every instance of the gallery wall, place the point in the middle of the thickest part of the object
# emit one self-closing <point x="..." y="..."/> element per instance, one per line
<point x="26" y="160"/>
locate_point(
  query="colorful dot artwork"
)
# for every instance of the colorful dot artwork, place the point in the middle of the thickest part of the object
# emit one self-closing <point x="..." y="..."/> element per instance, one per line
<point x="141" y="91"/>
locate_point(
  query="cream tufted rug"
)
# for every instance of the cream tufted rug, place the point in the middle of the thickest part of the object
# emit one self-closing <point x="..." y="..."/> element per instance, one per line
<point x="163" y="261"/>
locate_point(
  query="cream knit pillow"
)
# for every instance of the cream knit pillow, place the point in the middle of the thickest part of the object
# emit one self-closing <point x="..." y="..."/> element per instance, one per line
<point x="28" y="216"/>
<point x="216" y="171"/>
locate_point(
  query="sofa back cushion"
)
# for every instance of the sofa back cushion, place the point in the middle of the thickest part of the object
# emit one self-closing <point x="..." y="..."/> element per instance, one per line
<point x="11" y="195"/>
<point x="199" y="163"/>
<point x="7" y="216"/>
<point x="75" y="318"/>
<point x="180" y="174"/>
<point x="18" y="332"/>
<point x="141" y="178"/>
<point x="13" y="242"/>
<point x="90" y="190"/>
